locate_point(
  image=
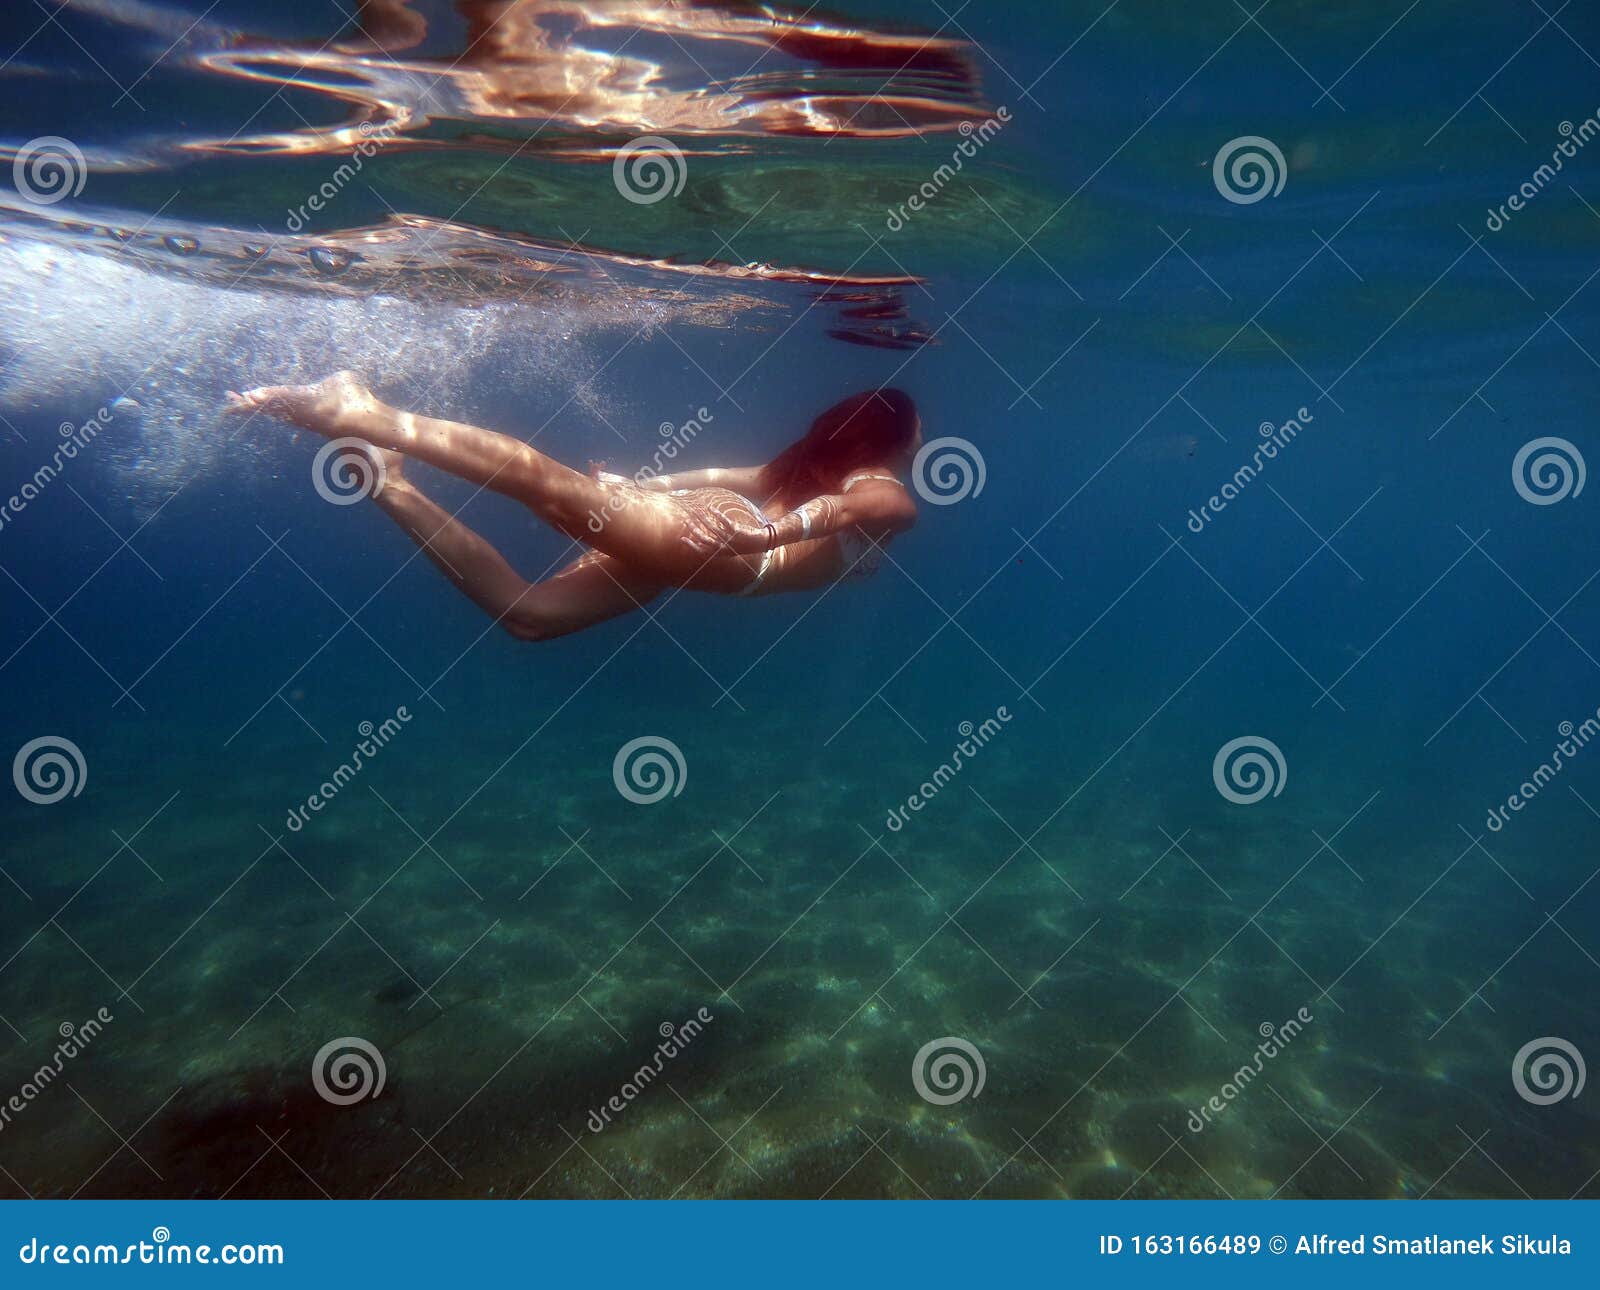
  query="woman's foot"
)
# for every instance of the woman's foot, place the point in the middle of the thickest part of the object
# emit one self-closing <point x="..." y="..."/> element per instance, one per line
<point x="320" y="407"/>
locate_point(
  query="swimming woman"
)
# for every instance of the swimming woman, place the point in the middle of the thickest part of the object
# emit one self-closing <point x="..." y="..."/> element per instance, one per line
<point x="820" y="511"/>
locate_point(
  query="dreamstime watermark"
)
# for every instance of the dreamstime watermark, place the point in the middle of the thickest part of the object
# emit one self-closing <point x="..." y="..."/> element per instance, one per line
<point x="48" y="169"/>
<point x="1531" y="187"/>
<point x="74" y="1039"/>
<point x="373" y="740"/>
<point x="348" y="1070"/>
<point x="973" y="138"/>
<point x="373" y="137"/>
<point x="648" y="169"/>
<point x="674" y="1039"/>
<point x="1249" y="168"/>
<point x="674" y="439"/>
<point x="1573" y="740"/>
<point x="649" y="769"/>
<point x="346" y="471"/>
<point x="1274" y="1039"/>
<point x="48" y="769"/>
<point x="948" y="1070"/>
<point x="948" y="470"/>
<point x="973" y="739"/>
<point x="160" y="1250"/>
<point x="1548" y="1069"/>
<point x="1248" y="768"/>
<point x="1548" y="470"/>
<point x="74" y="439"/>
<point x="1274" y="439"/>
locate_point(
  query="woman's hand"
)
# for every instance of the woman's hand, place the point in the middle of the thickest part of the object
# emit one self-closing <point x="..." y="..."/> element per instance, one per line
<point x="752" y="538"/>
<point x="704" y="540"/>
<point x="712" y="527"/>
<point x="820" y="517"/>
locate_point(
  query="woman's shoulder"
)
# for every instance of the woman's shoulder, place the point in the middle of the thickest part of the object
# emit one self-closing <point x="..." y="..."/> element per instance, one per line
<point x="879" y="508"/>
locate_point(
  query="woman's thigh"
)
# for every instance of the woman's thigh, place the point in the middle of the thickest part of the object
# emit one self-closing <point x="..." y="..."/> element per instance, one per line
<point x="590" y="590"/>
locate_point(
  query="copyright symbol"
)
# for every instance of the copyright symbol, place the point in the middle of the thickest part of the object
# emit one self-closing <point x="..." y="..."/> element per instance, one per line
<point x="1278" y="1244"/>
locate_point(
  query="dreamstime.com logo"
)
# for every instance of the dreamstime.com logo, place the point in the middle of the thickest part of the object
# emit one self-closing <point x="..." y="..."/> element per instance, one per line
<point x="1275" y="439"/>
<point x="972" y="139"/>
<point x="973" y="740"/>
<point x="159" y="1249"/>
<point x="374" y="739"/>
<point x="48" y="769"/>
<point x="1249" y="168"/>
<point x="348" y="1070"/>
<point x="74" y="440"/>
<point x="648" y="169"/>
<point x="74" y="1039"/>
<point x="346" y="471"/>
<point x="948" y="1070"/>
<point x="1274" y="1039"/>
<point x="1574" y="739"/>
<point x="1572" y="139"/>
<point x="373" y="137"/>
<point x="674" y="439"/>
<point x="649" y="769"/>
<point x="1248" y="768"/>
<point x="1547" y="1070"/>
<point x="674" y="1040"/>
<point x="948" y="470"/>
<point x="1548" y="470"/>
<point x="48" y="169"/>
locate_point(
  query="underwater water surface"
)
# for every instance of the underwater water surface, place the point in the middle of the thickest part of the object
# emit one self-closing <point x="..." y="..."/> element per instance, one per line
<point x="1197" y="802"/>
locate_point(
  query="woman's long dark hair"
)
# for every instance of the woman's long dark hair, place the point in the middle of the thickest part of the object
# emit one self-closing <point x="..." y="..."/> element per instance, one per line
<point x="864" y="430"/>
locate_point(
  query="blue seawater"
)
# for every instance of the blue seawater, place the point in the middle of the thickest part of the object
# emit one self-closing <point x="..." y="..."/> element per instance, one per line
<point x="947" y="888"/>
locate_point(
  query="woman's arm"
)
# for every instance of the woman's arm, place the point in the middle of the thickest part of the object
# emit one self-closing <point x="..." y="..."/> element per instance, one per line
<point x="741" y="479"/>
<point x="877" y="506"/>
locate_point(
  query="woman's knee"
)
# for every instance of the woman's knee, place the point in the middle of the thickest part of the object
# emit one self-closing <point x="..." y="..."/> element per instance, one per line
<point x="530" y="627"/>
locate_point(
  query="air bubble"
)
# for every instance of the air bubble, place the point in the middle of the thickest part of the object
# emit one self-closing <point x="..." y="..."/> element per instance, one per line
<point x="327" y="261"/>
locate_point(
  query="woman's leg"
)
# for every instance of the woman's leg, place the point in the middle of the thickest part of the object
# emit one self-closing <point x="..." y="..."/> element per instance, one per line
<point x="590" y="590"/>
<point x="666" y="535"/>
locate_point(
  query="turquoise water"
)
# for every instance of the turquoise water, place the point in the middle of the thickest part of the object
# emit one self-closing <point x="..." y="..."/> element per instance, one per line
<point x="1377" y="607"/>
